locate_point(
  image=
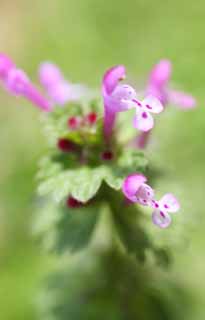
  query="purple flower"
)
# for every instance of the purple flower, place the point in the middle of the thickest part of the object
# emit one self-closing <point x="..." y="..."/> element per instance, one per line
<point x="158" y="87"/>
<point x="18" y="83"/>
<point x="136" y="190"/>
<point x="143" y="119"/>
<point x="162" y="208"/>
<point x="58" y="88"/>
<point x="122" y="97"/>
<point x="116" y="97"/>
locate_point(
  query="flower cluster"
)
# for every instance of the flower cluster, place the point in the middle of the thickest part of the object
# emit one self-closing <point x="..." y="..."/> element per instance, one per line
<point x="136" y="190"/>
<point x="83" y="138"/>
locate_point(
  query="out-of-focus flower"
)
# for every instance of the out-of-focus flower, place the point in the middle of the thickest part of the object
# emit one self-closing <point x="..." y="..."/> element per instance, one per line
<point x="167" y="204"/>
<point x="158" y="87"/>
<point x="58" y="88"/>
<point x="18" y="83"/>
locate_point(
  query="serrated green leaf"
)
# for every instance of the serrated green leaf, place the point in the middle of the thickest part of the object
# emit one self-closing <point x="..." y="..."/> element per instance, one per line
<point x="65" y="229"/>
<point x="83" y="183"/>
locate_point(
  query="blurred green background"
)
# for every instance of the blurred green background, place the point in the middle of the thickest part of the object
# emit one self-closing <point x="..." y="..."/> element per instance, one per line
<point x="85" y="37"/>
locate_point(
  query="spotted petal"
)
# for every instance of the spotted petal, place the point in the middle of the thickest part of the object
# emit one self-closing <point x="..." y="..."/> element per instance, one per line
<point x="169" y="203"/>
<point x="145" y="195"/>
<point x="152" y="104"/>
<point x="161" y="218"/>
<point x="143" y="121"/>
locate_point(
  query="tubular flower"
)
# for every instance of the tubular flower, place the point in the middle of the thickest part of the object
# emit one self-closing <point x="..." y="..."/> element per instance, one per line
<point x="158" y="87"/>
<point x="162" y="208"/>
<point x="18" y="83"/>
<point x="58" y="88"/>
<point x="113" y="97"/>
<point x="136" y="190"/>
<point x="118" y="98"/>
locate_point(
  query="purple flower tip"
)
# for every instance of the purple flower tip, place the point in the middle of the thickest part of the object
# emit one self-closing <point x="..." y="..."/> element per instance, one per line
<point x="5" y="65"/>
<point x="112" y="77"/>
<point x="132" y="184"/>
<point x="161" y="73"/>
<point x="49" y="74"/>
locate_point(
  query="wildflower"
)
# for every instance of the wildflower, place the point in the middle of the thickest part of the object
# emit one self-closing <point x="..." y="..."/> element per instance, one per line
<point x="118" y="98"/>
<point x="18" y="83"/>
<point x="136" y="190"/>
<point x="158" y="87"/>
<point x="143" y="119"/>
<point x="58" y="88"/>
<point x="162" y="208"/>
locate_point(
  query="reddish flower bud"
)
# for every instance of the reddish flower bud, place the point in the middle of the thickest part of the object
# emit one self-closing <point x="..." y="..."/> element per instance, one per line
<point x="91" y="118"/>
<point x="74" y="123"/>
<point x="73" y="203"/>
<point x="107" y="155"/>
<point x="66" y="145"/>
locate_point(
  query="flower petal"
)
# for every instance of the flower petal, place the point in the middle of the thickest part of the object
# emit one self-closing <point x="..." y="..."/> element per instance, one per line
<point x="112" y="77"/>
<point x="17" y="81"/>
<point x="145" y="195"/>
<point x="60" y="93"/>
<point x="161" y="219"/>
<point x="161" y="73"/>
<point x="49" y="75"/>
<point x="169" y="203"/>
<point x="143" y="121"/>
<point x="132" y="184"/>
<point x="152" y="104"/>
<point x="125" y="92"/>
<point x="6" y="64"/>
<point x="181" y="99"/>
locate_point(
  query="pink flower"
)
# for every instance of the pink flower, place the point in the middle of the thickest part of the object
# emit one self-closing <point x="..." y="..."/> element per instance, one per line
<point x="143" y="119"/>
<point x="158" y="87"/>
<point x="18" y="83"/>
<point x="122" y="97"/>
<point x="162" y="208"/>
<point x="116" y="97"/>
<point x="58" y="88"/>
<point x="136" y="190"/>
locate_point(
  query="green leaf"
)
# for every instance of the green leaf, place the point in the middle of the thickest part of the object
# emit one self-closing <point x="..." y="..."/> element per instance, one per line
<point x="62" y="228"/>
<point x="84" y="182"/>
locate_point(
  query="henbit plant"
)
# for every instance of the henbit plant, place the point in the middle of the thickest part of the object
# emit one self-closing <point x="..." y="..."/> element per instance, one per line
<point x="96" y="200"/>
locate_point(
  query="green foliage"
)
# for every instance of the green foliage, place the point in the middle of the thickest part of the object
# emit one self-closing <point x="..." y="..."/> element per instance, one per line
<point x="84" y="182"/>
